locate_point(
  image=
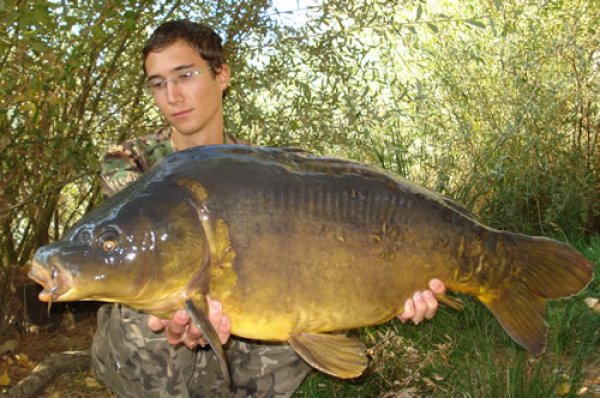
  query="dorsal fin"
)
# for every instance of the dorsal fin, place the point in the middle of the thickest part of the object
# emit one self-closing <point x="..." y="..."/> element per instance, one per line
<point x="454" y="205"/>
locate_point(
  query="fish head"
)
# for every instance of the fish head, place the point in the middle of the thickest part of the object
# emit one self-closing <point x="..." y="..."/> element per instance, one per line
<point x="142" y="251"/>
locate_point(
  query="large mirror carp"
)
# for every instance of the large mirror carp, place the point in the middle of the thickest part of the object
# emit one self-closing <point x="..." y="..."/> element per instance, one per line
<point x="297" y="246"/>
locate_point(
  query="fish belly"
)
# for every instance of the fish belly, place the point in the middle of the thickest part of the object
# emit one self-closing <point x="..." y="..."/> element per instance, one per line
<point x="319" y="272"/>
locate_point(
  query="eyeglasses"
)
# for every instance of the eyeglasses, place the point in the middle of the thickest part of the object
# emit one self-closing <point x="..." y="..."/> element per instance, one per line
<point x="157" y="85"/>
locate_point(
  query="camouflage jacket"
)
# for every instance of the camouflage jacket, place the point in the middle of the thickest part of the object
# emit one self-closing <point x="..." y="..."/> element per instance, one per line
<point x="124" y="163"/>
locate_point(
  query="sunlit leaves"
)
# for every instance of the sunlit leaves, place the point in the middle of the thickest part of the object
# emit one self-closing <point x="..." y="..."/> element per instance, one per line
<point x="475" y="23"/>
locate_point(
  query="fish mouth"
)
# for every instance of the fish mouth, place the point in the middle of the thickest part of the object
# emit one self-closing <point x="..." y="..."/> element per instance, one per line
<point x="55" y="280"/>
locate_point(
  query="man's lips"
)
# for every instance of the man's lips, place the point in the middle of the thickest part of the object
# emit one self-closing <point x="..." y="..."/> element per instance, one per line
<point x="181" y="113"/>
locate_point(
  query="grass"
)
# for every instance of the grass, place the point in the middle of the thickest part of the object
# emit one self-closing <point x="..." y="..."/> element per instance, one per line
<point x="467" y="354"/>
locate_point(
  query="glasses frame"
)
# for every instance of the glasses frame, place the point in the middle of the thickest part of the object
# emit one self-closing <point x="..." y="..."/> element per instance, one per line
<point x="161" y="86"/>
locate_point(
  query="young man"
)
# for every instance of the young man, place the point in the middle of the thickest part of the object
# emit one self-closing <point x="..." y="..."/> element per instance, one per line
<point x="142" y="356"/>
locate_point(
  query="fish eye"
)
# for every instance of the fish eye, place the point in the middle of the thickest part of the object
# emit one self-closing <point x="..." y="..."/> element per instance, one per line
<point x="109" y="241"/>
<point x="109" y="246"/>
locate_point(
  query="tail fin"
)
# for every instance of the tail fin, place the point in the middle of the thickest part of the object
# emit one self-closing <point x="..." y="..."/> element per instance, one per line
<point x="549" y="269"/>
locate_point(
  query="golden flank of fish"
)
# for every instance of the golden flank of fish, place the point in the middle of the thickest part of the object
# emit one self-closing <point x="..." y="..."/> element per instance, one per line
<point x="297" y="246"/>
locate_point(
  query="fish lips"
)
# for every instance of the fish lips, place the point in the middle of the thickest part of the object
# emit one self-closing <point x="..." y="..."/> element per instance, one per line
<point x="55" y="280"/>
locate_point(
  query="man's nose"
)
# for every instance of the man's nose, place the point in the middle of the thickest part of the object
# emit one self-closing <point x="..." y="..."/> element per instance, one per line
<point x="173" y="92"/>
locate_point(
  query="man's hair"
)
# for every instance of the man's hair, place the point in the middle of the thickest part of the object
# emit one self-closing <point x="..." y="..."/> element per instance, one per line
<point x="199" y="36"/>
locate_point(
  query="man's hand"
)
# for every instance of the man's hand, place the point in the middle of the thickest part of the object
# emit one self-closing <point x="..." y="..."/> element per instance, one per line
<point x="180" y="329"/>
<point x="423" y="305"/>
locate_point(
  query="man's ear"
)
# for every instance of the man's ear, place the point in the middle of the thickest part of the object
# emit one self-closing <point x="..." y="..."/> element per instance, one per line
<point x="223" y="76"/>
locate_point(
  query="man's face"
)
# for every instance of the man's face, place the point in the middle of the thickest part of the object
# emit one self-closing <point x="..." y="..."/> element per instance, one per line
<point x="194" y="106"/>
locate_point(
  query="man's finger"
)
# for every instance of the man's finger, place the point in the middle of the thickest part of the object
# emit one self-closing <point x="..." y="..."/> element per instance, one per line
<point x="408" y="312"/>
<point x="156" y="324"/>
<point x="219" y="320"/>
<point x="215" y="314"/>
<point x="420" y="307"/>
<point x="224" y="330"/>
<point x="431" y="304"/>
<point x="437" y="286"/>
<point x="177" y="327"/>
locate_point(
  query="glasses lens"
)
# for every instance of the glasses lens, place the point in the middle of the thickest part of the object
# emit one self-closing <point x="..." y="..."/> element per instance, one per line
<point x="155" y="86"/>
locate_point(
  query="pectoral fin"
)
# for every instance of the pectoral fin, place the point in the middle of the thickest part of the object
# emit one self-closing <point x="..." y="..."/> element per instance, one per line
<point x="210" y="334"/>
<point x="337" y="355"/>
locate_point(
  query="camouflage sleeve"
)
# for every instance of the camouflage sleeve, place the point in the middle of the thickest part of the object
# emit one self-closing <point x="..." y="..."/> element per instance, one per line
<point x="124" y="163"/>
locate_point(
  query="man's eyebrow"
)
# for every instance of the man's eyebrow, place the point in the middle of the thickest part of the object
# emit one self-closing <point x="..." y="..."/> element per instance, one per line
<point x="176" y="69"/>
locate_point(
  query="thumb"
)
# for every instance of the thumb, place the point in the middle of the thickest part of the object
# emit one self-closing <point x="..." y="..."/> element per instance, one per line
<point x="156" y="324"/>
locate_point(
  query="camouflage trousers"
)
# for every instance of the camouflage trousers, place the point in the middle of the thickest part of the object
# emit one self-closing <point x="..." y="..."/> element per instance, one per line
<point x="133" y="361"/>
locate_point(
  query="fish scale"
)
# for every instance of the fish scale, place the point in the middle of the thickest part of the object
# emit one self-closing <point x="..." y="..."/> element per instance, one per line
<point x="298" y="246"/>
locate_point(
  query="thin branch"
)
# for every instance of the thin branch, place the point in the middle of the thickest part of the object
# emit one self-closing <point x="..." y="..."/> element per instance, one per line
<point x="57" y="188"/>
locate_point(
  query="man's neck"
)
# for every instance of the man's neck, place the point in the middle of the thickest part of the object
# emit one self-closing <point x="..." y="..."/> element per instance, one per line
<point x="185" y="141"/>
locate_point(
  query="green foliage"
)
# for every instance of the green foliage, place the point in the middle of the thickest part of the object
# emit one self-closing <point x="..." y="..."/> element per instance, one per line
<point x="516" y="108"/>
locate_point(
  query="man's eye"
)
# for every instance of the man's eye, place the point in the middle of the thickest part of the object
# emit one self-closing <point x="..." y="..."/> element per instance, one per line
<point x="157" y="83"/>
<point x="185" y="75"/>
